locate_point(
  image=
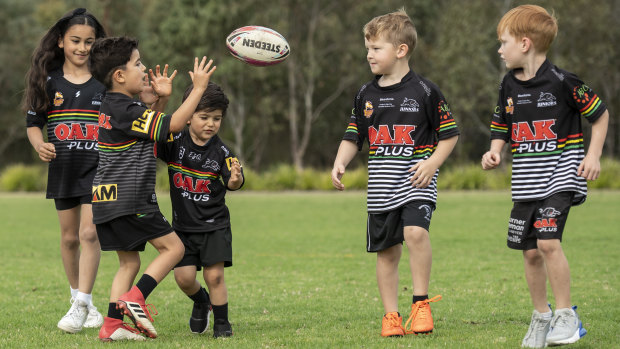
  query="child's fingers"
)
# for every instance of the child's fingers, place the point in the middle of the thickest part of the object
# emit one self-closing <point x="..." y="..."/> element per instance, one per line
<point x="191" y="75"/>
<point x="174" y="73"/>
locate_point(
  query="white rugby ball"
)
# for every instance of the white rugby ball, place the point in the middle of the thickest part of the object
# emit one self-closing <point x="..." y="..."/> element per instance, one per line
<point x="258" y="45"/>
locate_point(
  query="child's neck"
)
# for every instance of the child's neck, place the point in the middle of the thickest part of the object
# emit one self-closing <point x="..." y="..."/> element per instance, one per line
<point x="76" y="74"/>
<point x="530" y="66"/>
<point x="395" y="76"/>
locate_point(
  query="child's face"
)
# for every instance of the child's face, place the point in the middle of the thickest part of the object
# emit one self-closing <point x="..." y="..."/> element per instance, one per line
<point x="134" y="74"/>
<point x="381" y="55"/>
<point x="510" y="50"/>
<point x="205" y="124"/>
<point x="76" y="44"/>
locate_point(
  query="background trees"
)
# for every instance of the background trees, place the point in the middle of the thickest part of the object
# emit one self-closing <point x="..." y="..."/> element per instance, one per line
<point x="295" y="112"/>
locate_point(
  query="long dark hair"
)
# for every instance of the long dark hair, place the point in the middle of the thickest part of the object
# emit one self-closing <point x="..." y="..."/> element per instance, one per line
<point x="48" y="57"/>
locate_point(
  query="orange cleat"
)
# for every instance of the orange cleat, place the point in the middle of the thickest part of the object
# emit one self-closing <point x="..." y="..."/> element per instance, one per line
<point x="421" y="320"/>
<point x="391" y="326"/>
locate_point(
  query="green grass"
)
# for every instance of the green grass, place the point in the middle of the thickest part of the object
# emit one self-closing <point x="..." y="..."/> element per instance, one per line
<point x="302" y="279"/>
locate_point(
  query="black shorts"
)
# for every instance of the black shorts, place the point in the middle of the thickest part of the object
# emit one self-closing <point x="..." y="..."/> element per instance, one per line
<point x="543" y="219"/>
<point x="385" y="230"/>
<point x="69" y="203"/>
<point x="205" y="249"/>
<point x="131" y="232"/>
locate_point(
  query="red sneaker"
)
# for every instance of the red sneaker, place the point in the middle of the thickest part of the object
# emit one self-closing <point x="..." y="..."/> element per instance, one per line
<point x="421" y="320"/>
<point x="391" y="325"/>
<point x="132" y="305"/>
<point x="117" y="330"/>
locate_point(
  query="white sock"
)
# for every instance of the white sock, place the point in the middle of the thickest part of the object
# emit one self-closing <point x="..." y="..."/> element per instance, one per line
<point x="86" y="298"/>
<point x="74" y="292"/>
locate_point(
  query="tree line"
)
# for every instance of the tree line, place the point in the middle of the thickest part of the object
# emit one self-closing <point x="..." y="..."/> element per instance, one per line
<point x="296" y="112"/>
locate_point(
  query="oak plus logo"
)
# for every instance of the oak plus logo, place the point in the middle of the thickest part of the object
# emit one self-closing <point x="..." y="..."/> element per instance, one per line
<point x="546" y="99"/>
<point x="409" y="106"/>
<point x="547" y="222"/>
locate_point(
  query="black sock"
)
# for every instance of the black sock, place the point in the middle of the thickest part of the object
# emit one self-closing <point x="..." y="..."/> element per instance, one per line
<point x="146" y="285"/>
<point x="113" y="312"/>
<point x="220" y="312"/>
<point x="202" y="296"/>
<point x="419" y="298"/>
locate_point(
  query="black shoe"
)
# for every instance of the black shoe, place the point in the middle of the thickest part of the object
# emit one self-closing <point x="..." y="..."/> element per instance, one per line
<point x="221" y="328"/>
<point x="199" y="321"/>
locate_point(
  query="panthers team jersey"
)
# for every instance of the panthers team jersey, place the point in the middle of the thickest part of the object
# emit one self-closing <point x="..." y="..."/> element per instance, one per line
<point x="125" y="179"/>
<point x="402" y="124"/>
<point x="541" y="118"/>
<point x="72" y="128"/>
<point x="198" y="176"/>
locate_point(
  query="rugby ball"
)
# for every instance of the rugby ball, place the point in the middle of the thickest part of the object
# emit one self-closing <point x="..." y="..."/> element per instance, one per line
<point x="258" y="46"/>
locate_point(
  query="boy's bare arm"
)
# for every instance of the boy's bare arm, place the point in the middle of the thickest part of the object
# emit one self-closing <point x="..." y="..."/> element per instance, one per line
<point x="200" y="77"/>
<point x="590" y="166"/>
<point x="424" y="171"/>
<point x="492" y="158"/>
<point x="346" y="153"/>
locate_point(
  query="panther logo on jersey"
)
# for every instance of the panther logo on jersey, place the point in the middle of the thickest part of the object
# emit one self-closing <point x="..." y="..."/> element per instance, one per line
<point x="59" y="99"/>
<point x="546" y="99"/>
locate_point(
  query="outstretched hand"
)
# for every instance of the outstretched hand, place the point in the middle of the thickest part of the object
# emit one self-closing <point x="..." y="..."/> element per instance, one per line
<point x="162" y="83"/>
<point x="202" y="72"/>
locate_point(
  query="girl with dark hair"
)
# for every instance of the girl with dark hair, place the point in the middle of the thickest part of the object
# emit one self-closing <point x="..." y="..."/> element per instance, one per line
<point x="62" y="95"/>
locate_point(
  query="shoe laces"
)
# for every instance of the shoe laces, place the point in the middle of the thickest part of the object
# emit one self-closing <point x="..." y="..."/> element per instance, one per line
<point x="148" y="308"/>
<point x="127" y="326"/>
<point x="420" y="310"/>
<point x="562" y="319"/>
<point x="392" y="320"/>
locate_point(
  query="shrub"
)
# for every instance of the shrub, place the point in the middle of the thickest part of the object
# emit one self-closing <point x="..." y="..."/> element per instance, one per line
<point x="22" y="177"/>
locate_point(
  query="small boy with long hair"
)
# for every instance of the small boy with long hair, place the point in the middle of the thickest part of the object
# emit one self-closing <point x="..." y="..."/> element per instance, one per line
<point x="410" y="131"/>
<point x="539" y="112"/>
<point x="125" y="206"/>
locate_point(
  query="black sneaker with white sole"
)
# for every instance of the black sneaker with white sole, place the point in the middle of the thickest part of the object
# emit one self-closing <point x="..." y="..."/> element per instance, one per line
<point x="222" y="328"/>
<point x="199" y="321"/>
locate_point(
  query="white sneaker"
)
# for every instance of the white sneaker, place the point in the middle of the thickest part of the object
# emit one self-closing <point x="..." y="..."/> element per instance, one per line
<point x="74" y="320"/>
<point x="566" y="327"/>
<point x="94" y="318"/>
<point x="536" y="336"/>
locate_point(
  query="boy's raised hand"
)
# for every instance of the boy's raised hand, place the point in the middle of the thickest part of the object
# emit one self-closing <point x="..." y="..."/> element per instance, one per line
<point x="162" y="83"/>
<point x="202" y="72"/>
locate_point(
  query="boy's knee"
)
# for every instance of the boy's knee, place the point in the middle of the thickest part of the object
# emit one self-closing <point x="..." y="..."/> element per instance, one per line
<point x="415" y="235"/>
<point x="88" y="236"/>
<point x="70" y="241"/>
<point x="214" y="278"/>
<point x="547" y="247"/>
<point x="184" y="281"/>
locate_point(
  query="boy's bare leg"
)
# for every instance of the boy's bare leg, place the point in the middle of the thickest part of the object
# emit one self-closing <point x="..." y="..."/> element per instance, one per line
<point x="214" y="278"/>
<point x="170" y="250"/>
<point x="420" y="258"/>
<point x="557" y="271"/>
<point x="387" y="276"/>
<point x="129" y="266"/>
<point x="536" y="277"/>
<point x="70" y="244"/>
<point x="186" y="279"/>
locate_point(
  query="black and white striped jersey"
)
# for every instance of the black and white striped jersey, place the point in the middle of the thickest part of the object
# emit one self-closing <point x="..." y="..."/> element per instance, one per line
<point x="125" y="179"/>
<point x="541" y="118"/>
<point x="402" y="124"/>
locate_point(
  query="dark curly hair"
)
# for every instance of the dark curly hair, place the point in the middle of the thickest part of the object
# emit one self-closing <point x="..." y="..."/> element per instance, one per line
<point x="213" y="98"/>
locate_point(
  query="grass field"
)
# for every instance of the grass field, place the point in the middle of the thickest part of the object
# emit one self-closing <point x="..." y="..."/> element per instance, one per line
<point x="302" y="279"/>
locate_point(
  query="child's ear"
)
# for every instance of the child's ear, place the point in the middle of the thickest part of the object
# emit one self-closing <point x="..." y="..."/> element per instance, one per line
<point x="402" y="50"/>
<point x="61" y="43"/>
<point x="118" y="76"/>
<point x="526" y="44"/>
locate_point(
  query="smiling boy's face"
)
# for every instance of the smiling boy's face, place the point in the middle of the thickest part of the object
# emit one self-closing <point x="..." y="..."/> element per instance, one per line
<point x="381" y="55"/>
